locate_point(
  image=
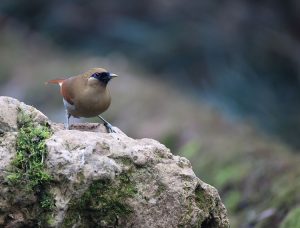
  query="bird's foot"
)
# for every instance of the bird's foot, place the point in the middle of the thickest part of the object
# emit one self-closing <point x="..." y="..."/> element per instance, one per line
<point x="109" y="127"/>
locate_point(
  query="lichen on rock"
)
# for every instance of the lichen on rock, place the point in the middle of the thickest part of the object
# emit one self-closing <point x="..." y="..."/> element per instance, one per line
<point x="89" y="178"/>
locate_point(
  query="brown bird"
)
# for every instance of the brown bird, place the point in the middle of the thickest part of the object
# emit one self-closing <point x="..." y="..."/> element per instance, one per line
<point x="86" y="95"/>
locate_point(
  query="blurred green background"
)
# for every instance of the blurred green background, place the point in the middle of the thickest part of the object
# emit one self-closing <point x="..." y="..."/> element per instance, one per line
<point x="217" y="82"/>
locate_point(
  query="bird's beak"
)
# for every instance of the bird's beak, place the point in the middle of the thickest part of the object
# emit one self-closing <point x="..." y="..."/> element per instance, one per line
<point x="113" y="75"/>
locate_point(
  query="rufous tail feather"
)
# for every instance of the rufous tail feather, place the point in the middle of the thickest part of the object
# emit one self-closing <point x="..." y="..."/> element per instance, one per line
<point x="55" y="81"/>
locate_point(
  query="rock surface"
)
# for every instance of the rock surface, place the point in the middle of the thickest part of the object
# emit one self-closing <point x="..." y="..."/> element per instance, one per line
<point x="103" y="180"/>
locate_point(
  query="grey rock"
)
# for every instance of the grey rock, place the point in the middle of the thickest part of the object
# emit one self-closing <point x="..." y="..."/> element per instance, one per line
<point x="105" y="180"/>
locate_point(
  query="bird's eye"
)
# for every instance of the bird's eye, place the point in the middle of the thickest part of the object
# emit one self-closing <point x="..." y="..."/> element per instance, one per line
<point x="104" y="74"/>
<point x="95" y="75"/>
<point x="100" y="75"/>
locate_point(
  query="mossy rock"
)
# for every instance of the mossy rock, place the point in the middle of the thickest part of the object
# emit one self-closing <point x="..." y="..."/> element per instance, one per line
<point x="28" y="170"/>
<point x="103" y="204"/>
<point x="28" y="167"/>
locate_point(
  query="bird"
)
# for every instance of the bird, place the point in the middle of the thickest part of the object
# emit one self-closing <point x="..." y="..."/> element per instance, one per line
<point x="86" y="95"/>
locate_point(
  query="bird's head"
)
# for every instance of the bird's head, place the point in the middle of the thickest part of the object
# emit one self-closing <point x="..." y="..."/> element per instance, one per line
<point x="102" y="75"/>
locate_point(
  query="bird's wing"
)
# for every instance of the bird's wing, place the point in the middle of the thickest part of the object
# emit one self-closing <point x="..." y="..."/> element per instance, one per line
<point x="63" y="91"/>
<point x="66" y="90"/>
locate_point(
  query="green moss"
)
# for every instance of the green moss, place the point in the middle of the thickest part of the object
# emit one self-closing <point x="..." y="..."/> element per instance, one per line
<point x="187" y="216"/>
<point x="203" y="200"/>
<point x="47" y="201"/>
<point x="292" y="220"/>
<point x="50" y="221"/>
<point x="206" y="204"/>
<point x="103" y="204"/>
<point x="28" y="167"/>
<point x="200" y="198"/>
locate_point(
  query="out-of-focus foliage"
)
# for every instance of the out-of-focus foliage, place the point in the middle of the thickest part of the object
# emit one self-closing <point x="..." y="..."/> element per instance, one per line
<point x="243" y="55"/>
<point x="292" y="220"/>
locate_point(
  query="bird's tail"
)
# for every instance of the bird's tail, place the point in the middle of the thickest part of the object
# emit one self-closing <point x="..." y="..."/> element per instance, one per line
<point x="55" y="81"/>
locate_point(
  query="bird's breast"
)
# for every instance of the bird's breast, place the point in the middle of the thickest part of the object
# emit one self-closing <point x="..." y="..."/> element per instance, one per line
<point x="91" y="102"/>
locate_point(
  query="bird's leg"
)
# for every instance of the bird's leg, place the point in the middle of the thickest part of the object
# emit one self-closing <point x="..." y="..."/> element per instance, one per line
<point x="68" y="115"/>
<point x="108" y="126"/>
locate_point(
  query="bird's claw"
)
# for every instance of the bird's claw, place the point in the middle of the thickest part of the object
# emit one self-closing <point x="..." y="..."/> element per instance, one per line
<point x="109" y="128"/>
